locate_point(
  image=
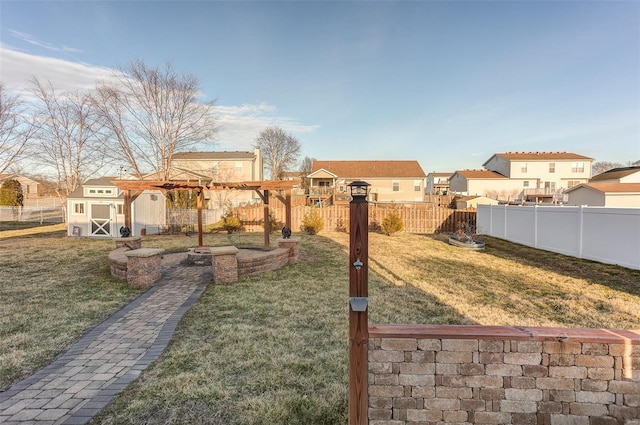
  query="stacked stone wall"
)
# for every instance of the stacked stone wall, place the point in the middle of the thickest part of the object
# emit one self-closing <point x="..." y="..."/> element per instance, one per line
<point x="422" y="375"/>
<point x="118" y="263"/>
<point x="262" y="261"/>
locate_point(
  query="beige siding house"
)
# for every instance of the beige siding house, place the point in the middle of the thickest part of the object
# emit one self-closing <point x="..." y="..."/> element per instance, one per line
<point x="29" y="186"/>
<point x="391" y="181"/>
<point x="438" y="183"/>
<point x="605" y="194"/>
<point x="484" y="183"/>
<point x="236" y="166"/>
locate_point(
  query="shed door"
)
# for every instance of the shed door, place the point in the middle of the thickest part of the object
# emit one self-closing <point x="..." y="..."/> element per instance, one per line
<point x="101" y="219"/>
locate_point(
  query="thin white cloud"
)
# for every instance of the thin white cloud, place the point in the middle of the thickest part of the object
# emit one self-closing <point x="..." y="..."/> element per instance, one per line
<point x="28" y="38"/>
<point x="19" y="67"/>
<point x="240" y="125"/>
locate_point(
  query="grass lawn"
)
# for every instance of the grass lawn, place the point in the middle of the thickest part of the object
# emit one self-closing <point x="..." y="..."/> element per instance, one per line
<point x="272" y="349"/>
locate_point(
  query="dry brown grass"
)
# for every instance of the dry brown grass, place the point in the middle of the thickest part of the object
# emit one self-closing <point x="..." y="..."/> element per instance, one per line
<point x="272" y="348"/>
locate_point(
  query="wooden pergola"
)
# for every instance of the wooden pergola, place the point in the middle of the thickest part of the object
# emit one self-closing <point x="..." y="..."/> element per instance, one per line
<point x="133" y="188"/>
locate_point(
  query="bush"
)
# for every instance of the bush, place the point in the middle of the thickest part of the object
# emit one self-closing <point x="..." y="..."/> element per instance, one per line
<point x="273" y="222"/>
<point x="11" y="193"/>
<point x="312" y="222"/>
<point x="342" y="225"/>
<point x="374" y="226"/>
<point x="392" y="223"/>
<point x="231" y="222"/>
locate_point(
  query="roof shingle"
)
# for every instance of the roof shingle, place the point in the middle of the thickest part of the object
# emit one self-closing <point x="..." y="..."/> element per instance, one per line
<point x="370" y="169"/>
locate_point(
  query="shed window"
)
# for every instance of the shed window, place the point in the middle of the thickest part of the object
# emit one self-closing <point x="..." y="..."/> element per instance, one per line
<point x="396" y="186"/>
<point x="78" y="208"/>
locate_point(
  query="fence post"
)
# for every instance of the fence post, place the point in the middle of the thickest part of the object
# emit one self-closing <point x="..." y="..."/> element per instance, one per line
<point x="580" y="230"/>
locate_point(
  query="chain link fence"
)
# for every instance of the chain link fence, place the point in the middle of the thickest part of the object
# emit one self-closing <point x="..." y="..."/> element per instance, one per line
<point x="41" y="214"/>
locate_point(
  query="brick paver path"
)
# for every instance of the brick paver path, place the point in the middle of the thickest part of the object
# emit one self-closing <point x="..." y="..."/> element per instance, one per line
<point x="84" y="380"/>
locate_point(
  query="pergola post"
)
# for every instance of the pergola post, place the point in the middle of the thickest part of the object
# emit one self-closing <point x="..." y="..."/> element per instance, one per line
<point x="200" y="196"/>
<point x="287" y="208"/>
<point x="127" y="209"/>
<point x="267" y="222"/>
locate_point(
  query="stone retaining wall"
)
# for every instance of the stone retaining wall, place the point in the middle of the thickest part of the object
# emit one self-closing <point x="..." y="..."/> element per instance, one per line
<point x="118" y="263"/>
<point x="503" y="375"/>
<point x="252" y="262"/>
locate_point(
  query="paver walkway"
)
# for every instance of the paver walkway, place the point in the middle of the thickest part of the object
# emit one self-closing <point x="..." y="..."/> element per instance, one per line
<point x="84" y="380"/>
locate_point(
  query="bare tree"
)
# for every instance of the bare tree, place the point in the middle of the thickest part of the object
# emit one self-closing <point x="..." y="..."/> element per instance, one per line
<point x="602" y="166"/>
<point x="280" y="150"/>
<point x="151" y="114"/>
<point x="15" y="129"/>
<point x="305" y="167"/>
<point x="69" y="135"/>
<point x="306" y="164"/>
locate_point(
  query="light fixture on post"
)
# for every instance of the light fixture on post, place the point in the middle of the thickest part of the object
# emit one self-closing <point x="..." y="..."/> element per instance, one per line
<point x="358" y="302"/>
<point x="359" y="191"/>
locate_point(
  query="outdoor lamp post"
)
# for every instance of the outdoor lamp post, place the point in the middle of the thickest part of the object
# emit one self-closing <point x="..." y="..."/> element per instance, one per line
<point x="358" y="303"/>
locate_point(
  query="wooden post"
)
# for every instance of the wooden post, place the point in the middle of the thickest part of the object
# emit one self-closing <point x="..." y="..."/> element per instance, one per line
<point x="127" y="209"/>
<point x="287" y="208"/>
<point x="267" y="223"/>
<point x="200" y="196"/>
<point x="358" y="320"/>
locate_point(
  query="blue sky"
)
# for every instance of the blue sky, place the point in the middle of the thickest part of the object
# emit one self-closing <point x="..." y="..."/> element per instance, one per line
<point x="445" y="83"/>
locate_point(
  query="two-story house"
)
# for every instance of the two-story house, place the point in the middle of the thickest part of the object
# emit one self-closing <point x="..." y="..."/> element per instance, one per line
<point x="223" y="167"/>
<point x="391" y="181"/>
<point x="438" y="183"/>
<point x="530" y="176"/>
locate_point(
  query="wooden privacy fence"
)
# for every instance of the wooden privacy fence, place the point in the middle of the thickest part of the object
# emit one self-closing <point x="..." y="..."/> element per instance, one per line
<point x="417" y="218"/>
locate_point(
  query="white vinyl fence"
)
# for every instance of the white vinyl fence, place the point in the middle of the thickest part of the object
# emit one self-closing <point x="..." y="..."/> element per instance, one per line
<point x="607" y="235"/>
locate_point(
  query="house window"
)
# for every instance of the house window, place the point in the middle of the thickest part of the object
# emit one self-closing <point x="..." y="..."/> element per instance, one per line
<point x="525" y="184"/>
<point x="78" y="207"/>
<point x="550" y="185"/>
<point x="238" y="167"/>
<point x="523" y="169"/>
<point x="577" y="167"/>
<point x="396" y="186"/>
<point x="417" y="185"/>
<point x="552" y="167"/>
<point x="120" y="209"/>
<point x="572" y="183"/>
